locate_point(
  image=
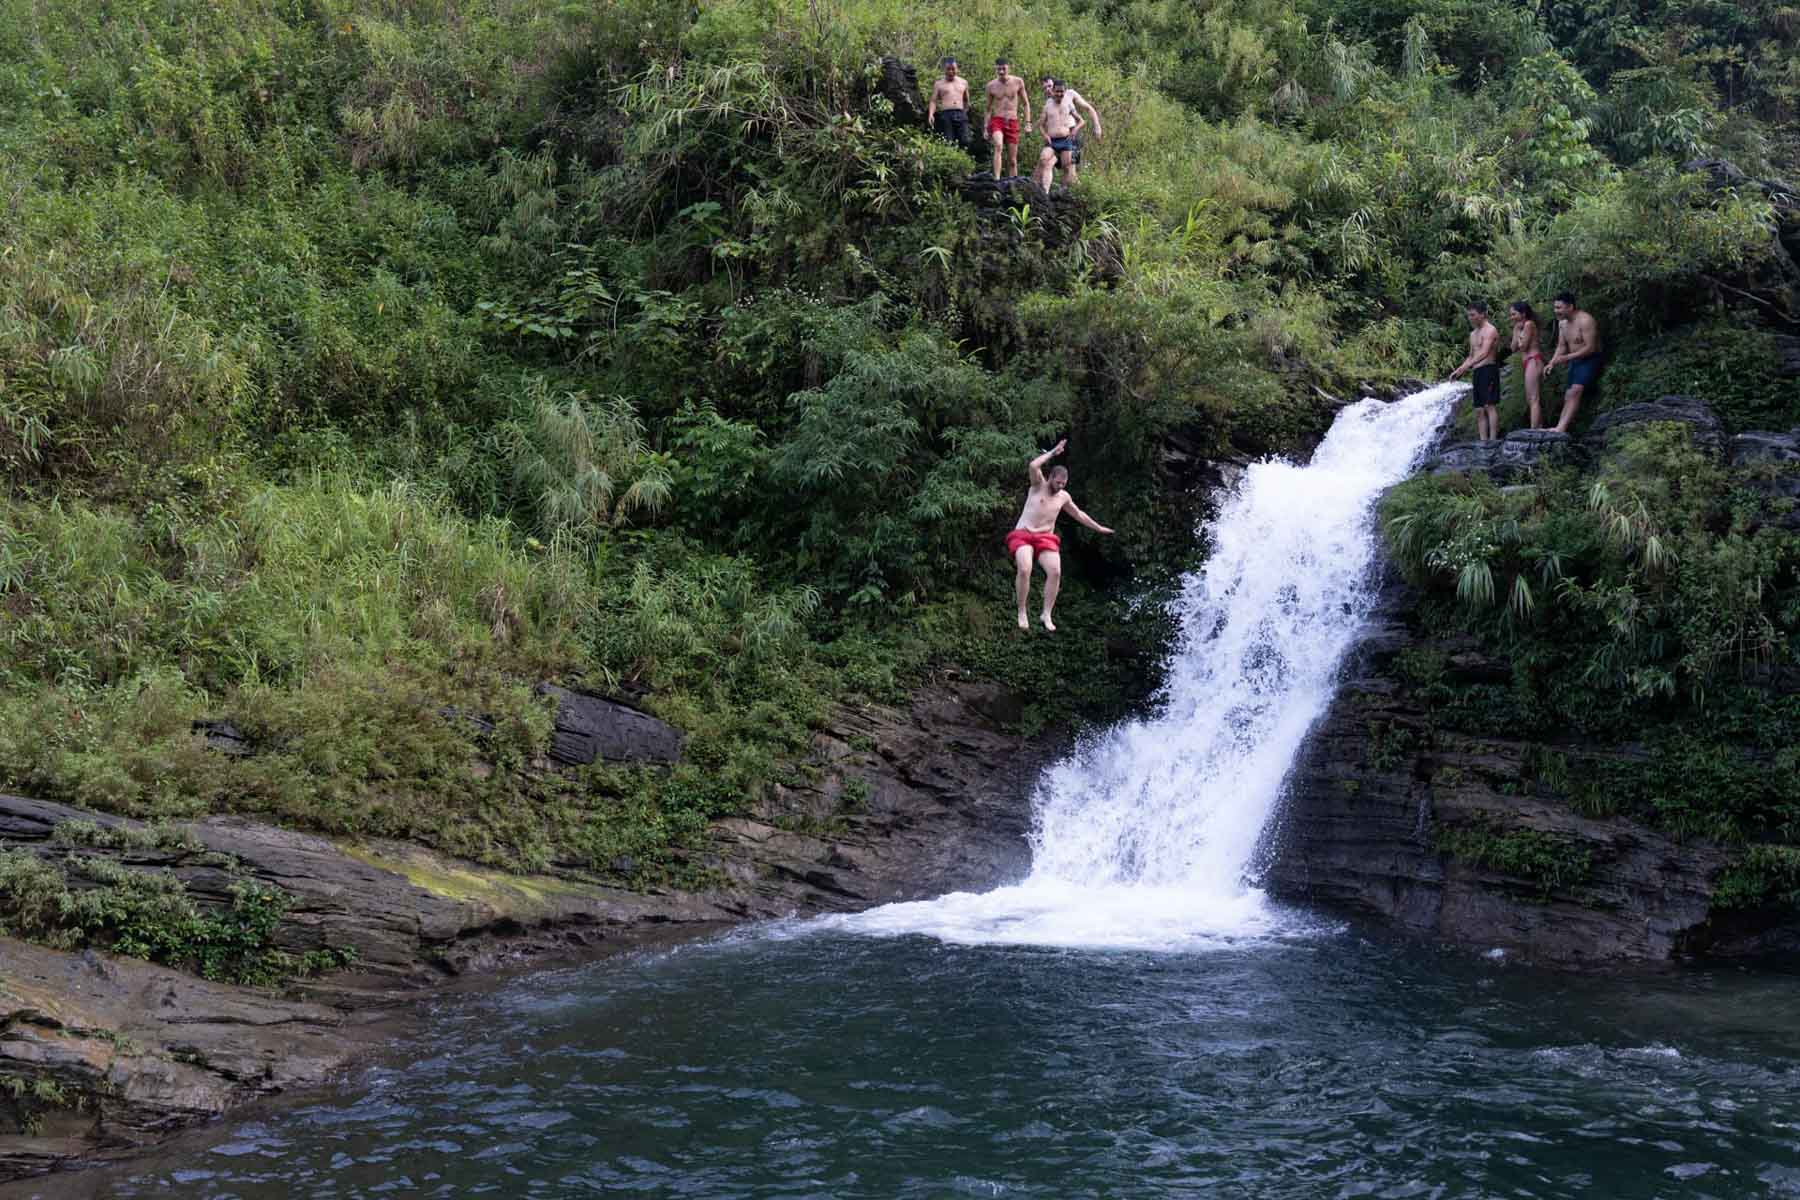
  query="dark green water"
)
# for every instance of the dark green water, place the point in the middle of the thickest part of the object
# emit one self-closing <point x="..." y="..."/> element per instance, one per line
<point x="800" y="1062"/>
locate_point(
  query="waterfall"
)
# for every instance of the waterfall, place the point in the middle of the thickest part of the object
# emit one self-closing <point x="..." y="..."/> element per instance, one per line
<point x="1145" y="835"/>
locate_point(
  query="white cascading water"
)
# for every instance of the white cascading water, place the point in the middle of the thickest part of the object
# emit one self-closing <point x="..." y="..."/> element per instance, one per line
<point x="1146" y="835"/>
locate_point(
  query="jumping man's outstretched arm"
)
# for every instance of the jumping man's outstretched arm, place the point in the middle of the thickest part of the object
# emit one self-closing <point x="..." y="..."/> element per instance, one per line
<point x="1035" y="470"/>
<point x="1074" y="510"/>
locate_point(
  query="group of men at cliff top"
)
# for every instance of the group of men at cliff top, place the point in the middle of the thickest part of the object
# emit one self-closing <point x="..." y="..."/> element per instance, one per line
<point x="1577" y="344"/>
<point x="1058" y="121"/>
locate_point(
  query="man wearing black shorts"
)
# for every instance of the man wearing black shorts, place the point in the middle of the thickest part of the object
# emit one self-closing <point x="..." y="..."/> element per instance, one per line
<point x="1484" y="361"/>
<point x="948" y="112"/>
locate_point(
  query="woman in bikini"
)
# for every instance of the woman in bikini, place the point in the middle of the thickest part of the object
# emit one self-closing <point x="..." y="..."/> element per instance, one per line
<point x="1531" y="358"/>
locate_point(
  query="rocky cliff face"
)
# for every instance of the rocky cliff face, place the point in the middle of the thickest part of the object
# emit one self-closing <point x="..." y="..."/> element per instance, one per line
<point x="1468" y="834"/>
<point x="111" y="1053"/>
<point x="1382" y="800"/>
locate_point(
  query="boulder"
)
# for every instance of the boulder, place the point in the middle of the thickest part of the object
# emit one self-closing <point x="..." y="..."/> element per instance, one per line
<point x="1706" y="430"/>
<point x="1519" y="453"/>
<point x="1775" y="458"/>
<point x="981" y="188"/>
<point x="900" y="85"/>
<point x="225" y="737"/>
<point x="590" y="728"/>
<point x="1757" y="446"/>
<point x="1788" y="348"/>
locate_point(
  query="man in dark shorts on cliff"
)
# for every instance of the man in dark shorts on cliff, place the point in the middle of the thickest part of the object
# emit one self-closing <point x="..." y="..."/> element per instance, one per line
<point x="1061" y="126"/>
<point x="1484" y="361"/>
<point x="1578" y="344"/>
<point x="948" y="112"/>
<point x="1005" y="94"/>
<point x="1035" y="534"/>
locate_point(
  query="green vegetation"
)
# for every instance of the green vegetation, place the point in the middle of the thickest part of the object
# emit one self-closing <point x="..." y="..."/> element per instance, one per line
<point x="363" y="363"/>
<point x="1547" y="860"/>
<point x="30" y="1099"/>
<point x="1653" y="602"/>
<point x="1761" y="875"/>
<point x="148" y="914"/>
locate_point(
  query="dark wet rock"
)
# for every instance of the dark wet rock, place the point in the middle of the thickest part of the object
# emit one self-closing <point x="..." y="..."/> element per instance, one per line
<point x="1517" y="455"/>
<point x="591" y="728"/>
<point x="1756" y="446"/>
<point x="1361" y="829"/>
<point x="1788" y="350"/>
<point x="224" y="737"/>
<point x="1770" y="464"/>
<point x="1707" y="431"/>
<point x="896" y="804"/>
<point x="900" y="85"/>
<point x="981" y="188"/>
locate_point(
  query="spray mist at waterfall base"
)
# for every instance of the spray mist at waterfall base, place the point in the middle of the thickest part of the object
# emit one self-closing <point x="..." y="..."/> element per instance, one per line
<point x="1148" y="836"/>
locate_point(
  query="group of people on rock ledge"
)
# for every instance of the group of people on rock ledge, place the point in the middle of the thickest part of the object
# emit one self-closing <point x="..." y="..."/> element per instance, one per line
<point x="1059" y="122"/>
<point x="1577" y="344"/>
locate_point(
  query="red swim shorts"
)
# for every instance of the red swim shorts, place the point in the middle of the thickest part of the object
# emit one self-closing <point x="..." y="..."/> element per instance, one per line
<point x="1008" y="127"/>
<point x="1042" y="543"/>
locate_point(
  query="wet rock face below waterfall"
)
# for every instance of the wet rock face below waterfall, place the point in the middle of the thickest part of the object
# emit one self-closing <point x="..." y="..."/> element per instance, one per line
<point x="1454" y="835"/>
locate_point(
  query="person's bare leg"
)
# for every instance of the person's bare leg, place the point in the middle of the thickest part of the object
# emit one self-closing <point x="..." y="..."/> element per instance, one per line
<point x="1068" y="166"/>
<point x="1022" y="582"/>
<point x="1046" y="169"/>
<point x="1571" y="405"/>
<point x="1052" y="564"/>
<point x="1534" y="376"/>
<point x="1493" y="420"/>
<point x="1012" y="158"/>
<point x="997" y="140"/>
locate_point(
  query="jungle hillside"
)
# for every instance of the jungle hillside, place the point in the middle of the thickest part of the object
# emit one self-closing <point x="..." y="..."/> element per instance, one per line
<point x="365" y="363"/>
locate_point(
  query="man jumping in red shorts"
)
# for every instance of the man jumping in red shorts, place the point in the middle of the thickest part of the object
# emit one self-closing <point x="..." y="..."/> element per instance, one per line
<point x="1005" y="93"/>
<point x="1035" y="534"/>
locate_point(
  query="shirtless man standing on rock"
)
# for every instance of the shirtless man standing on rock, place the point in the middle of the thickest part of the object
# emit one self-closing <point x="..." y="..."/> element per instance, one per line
<point x="1035" y="534"/>
<point x="948" y="112"/>
<point x="1061" y="126"/>
<point x="1005" y="93"/>
<point x="1484" y="360"/>
<point x="1578" y="344"/>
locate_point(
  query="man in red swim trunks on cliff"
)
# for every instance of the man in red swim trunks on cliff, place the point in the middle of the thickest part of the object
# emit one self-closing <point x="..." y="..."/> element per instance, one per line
<point x="1035" y="534"/>
<point x="1005" y="94"/>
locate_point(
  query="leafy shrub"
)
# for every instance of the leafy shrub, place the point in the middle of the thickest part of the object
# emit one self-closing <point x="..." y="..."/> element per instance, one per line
<point x="148" y="914"/>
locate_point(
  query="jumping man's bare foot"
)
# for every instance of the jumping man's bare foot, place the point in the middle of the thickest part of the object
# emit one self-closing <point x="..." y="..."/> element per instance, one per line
<point x="1049" y="624"/>
<point x="1024" y="622"/>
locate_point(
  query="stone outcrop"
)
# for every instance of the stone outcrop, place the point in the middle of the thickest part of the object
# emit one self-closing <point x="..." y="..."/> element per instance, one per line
<point x="1378" y="795"/>
<point x="1705" y="428"/>
<point x="897" y="804"/>
<point x="1773" y="460"/>
<point x="900" y="85"/>
<point x="593" y="728"/>
<point x="1507" y="459"/>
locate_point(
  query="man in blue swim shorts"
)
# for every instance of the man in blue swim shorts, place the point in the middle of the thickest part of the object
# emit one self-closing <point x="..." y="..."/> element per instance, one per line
<point x="1578" y="344"/>
<point x="1061" y="126"/>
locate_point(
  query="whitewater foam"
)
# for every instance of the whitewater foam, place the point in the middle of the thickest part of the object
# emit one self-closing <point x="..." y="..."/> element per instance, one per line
<point x="1146" y="836"/>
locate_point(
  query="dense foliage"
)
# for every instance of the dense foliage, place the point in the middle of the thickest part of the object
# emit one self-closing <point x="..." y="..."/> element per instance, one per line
<point x="362" y="360"/>
<point x="1652" y="602"/>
